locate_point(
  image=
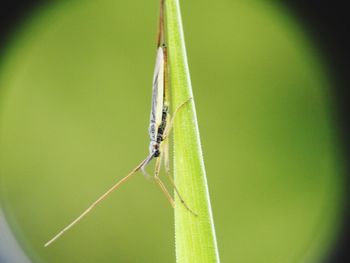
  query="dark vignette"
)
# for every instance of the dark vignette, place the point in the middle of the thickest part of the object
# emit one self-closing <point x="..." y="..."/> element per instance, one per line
<point x="327" y="24"/>
<point x="325" y="21"/>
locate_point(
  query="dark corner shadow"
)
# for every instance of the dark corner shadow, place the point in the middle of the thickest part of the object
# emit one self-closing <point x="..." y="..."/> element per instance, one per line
<point x="327" y="24"/>
<point x="12" y="14"/>
<point x="325" y="21"/>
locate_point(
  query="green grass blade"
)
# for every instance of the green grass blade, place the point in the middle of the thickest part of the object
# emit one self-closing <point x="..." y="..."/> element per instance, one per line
<point x="195" y="236"/>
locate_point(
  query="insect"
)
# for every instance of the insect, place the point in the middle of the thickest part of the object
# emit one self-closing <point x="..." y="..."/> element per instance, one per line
<point x="159" y="129"/>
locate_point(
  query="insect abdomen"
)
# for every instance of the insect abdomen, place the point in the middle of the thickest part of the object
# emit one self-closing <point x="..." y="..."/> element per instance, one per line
<point x="162" y="126"/>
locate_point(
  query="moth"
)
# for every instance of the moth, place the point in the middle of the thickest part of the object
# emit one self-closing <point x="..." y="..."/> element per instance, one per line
<point x="159" y="129"/>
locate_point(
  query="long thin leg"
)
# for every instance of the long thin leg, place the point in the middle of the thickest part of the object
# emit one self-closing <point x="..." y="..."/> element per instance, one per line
<point x="161" y="25"/>
<point x="171" y="123"/>
<point x="145" y="163"/>
<point x="110" y="190"/>
<point x="160" y="183"/>
<point x="165" y="151"/>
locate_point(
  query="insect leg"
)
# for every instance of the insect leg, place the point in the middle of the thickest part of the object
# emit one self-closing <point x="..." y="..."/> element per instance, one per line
<point x="171" y="123"/>
<point x="160" y="183"/>
<point x="110" y="190"/>
<point x="145" y="163"/>
<point x="165" y="151"/>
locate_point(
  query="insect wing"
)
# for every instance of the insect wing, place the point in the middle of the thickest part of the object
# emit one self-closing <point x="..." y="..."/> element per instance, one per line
<point x="157" y="95"/>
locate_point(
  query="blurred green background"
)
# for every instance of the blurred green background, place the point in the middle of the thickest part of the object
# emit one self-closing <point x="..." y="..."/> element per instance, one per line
<point x="75" y="88"/>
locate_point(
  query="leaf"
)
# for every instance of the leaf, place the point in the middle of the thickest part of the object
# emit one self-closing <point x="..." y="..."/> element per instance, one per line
<point x="194" y="235"/>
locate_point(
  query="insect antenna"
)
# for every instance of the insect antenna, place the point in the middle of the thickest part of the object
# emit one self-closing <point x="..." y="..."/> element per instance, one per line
<point x="100" y="199"/>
